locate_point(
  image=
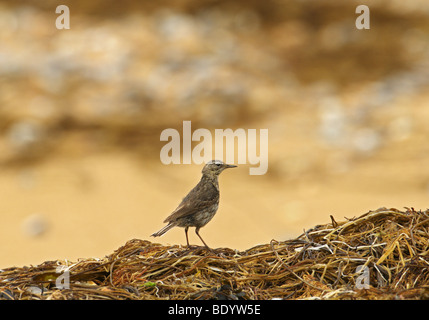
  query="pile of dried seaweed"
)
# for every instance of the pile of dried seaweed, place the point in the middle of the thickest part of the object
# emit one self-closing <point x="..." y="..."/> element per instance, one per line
<point x="383" y="254"/>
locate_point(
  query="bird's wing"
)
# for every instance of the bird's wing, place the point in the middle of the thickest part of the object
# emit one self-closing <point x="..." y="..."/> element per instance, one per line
<point x="186" y="209"/>
<point x="199" y="198"/>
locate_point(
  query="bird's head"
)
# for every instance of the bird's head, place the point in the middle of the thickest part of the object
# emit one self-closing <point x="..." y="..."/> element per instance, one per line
<point x="215" y="167"/>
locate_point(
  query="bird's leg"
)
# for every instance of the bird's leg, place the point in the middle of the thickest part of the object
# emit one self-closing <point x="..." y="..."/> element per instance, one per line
<point x="186" y="233"/>
<point x="196" y="231"/>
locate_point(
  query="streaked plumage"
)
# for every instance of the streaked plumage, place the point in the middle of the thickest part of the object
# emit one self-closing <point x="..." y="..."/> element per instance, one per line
<point x="201" y="203"/>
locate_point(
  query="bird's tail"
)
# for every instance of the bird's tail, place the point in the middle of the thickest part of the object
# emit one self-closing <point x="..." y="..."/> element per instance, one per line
<point x="163" y="230"/>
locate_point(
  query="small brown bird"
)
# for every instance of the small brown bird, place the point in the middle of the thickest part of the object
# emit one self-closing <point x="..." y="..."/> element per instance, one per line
<point x="201" y="203"/>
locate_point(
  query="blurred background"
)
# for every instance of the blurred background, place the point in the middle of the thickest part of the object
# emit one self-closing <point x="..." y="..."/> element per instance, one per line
<point x="82" y="110"/>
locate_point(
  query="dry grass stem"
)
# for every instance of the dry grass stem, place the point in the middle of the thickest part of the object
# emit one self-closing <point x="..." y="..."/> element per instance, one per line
<point x="387" y="246"/>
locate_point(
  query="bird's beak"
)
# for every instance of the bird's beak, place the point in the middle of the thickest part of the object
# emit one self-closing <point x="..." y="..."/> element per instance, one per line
<point x="230" y="166"/>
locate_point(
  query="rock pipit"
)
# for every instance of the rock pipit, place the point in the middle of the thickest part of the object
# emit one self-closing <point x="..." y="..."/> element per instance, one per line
<point x="201" y="203"/>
